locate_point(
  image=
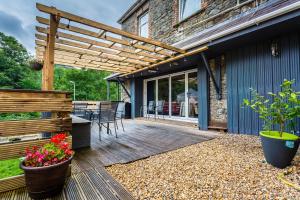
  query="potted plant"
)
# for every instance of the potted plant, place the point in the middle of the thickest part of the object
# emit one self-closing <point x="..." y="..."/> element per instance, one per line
<point x="45" y="167"/>
<point x="278" y="113"/>
<point x="36" y="64"/>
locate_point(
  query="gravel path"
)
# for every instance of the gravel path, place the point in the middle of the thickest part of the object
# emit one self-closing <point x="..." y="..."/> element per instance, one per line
<point x="229" y="167"/>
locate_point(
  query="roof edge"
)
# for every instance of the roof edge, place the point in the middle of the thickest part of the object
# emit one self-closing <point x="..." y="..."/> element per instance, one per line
<point x="131" y="10"/>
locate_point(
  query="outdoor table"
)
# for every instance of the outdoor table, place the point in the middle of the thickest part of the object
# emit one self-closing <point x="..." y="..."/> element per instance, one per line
<point x="81" y="132"/>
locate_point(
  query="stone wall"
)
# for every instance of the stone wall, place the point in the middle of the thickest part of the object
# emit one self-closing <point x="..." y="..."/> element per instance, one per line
<point x="218" y="108"/>
<point x="124" y="96"/>
<point x="165" y="26"/>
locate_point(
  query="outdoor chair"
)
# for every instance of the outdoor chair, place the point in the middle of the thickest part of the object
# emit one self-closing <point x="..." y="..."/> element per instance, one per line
<point x="160" y="107"/>
<point x="120" y="114"/>
<point x="79" y="109"/>
<point x="106" y="115"/>
<point x="151" y="109"/>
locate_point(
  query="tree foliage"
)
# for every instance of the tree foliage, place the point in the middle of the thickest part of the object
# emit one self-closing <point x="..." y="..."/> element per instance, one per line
<point x="15" y="73"/>
<point x="282" y="110"/>
<point x="14" y="69"/>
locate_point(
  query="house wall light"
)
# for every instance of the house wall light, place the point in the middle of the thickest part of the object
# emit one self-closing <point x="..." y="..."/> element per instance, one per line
<point x="275" y="48"/>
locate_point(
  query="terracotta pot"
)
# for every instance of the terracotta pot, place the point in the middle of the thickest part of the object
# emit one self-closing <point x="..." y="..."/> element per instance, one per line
<point x="45" y="182"/>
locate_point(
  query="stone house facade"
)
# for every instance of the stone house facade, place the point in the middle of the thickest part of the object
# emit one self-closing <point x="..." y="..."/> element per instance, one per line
<point x="165" y="25"/>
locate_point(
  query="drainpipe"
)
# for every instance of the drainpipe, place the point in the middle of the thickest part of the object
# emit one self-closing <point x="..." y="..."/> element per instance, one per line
<point x="107" y="90"/>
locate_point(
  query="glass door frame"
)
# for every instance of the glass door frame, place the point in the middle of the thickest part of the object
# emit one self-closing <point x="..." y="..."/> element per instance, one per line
<point x="169" y="76"/>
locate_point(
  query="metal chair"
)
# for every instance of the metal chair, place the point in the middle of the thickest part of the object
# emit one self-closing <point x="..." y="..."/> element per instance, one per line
<point x="160" y="107"/>
<point x="120" y="114"/>
<point x="79" y="109"/>
<point x="106" y="114"/>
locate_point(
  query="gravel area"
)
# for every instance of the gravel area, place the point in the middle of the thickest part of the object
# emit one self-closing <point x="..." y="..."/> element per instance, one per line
<point x="228" y="167"/>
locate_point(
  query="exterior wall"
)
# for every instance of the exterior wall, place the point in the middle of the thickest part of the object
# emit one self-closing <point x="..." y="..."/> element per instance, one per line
<point x="124" y="96"/>
<point x="254" y="67"/>
<point x="218" y="108"/>
<point x="165" y="26"/>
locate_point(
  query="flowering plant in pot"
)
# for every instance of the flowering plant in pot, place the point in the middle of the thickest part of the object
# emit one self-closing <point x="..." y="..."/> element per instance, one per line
<point x="46" y="167"/>
<point x="279" y="113"/>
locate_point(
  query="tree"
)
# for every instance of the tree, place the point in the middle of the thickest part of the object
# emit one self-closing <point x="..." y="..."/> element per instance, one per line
<point x="15" y="72"/>
<point x="90" y="84"/>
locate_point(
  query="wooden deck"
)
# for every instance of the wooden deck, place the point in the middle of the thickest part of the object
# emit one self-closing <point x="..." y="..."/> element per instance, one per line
<point x="141" y="139"/>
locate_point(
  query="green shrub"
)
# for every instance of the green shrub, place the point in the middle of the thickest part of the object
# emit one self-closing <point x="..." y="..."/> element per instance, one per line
<point x="282" y="110"/>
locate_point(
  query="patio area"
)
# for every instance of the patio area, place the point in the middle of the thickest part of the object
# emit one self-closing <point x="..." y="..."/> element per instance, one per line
<point x="141" y="139"/>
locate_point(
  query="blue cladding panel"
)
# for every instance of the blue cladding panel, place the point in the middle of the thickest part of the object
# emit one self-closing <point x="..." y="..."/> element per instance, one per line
<point x="254" y="66"/>
<point x="203" y="98"/>
<point x="138" y="96"/>
<point x="132" y="99"/>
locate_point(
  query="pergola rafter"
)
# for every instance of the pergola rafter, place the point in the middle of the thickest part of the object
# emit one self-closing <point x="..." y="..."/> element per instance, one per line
<point x="89" y="44"/>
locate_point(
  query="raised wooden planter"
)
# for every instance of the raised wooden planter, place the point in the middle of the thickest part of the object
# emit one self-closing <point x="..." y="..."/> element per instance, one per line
<point x="12" y="183"/>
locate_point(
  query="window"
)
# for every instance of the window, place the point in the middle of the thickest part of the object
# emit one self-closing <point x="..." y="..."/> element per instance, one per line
<point x="188" y="7"/>
<point x="143" y="25"/>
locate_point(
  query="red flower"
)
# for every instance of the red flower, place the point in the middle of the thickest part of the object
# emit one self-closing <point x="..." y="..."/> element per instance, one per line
<point x="58" y="150"/>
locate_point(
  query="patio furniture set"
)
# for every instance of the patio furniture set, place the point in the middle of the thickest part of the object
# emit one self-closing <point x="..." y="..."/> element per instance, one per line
<point x="102" y="113"/>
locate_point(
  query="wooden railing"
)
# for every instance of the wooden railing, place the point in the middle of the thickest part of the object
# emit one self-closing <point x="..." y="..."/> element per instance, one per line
<point x="59" y="104"/>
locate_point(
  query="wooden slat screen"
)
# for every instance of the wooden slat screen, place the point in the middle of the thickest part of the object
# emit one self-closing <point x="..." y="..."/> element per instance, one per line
<point x="19" y="101"/>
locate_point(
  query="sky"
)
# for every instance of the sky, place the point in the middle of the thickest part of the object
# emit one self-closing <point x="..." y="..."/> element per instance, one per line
<point x="17" y="17"/>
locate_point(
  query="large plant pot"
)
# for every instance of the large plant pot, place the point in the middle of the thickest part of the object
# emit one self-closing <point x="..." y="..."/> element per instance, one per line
<point x="279" y="151"/>
<point x="45" y="182"/>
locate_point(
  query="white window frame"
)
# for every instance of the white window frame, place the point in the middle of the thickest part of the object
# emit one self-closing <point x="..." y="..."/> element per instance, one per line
<point x="169" y="76"/>
<point x="146" y="23"/>
<point x="179" y="9"/>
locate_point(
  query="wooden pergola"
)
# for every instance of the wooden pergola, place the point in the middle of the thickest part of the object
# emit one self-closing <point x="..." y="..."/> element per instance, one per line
<point x="84" y="43"/>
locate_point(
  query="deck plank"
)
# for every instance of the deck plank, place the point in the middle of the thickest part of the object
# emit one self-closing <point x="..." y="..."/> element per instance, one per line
<point x="142" y="139"/>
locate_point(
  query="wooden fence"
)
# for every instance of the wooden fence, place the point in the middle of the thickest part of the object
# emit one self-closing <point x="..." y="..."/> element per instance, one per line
<point x="59" y="104"/>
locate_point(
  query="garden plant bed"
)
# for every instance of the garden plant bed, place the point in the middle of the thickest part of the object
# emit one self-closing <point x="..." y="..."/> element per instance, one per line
<point x="230" y="166"/>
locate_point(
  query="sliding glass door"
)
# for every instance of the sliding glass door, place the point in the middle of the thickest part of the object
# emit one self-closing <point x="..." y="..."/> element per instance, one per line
<point x="192" y="95"/>
<point x="178" y="95"/>
<point x="163" y="96"/>
<point x="151" y="96"/>
<point x="175" y="95"/>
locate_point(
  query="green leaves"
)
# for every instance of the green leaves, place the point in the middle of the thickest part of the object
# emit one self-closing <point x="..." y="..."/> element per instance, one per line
<point x="281" y="108"/>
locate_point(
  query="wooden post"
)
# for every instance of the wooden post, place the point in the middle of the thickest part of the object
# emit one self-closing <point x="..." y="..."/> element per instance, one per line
<point x="48" y="68"/>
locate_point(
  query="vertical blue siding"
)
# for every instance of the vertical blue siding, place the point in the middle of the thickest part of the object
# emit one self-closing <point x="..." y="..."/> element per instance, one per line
<point x="203" y="106"/>
<point x="132" y="98"/>
<point x="136" y="92"/>
<point x="138" y="96"/>
<point x="254" y="66"/>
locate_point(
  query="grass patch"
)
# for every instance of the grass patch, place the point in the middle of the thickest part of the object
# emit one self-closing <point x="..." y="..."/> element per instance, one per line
<point x="9" y="168"/>
<point x="19" y="116"/>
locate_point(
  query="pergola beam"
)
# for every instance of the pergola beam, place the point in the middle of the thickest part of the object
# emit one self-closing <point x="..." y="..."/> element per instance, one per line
<point x="90" y="42"/>
<point x="105" y="62"/>
<point x="89" y="61"/>
<point x="106" y="48"/>
<point x="108" y="38"/>
<point x="204" y="48"/>
<point x="88" y="22"/>
<point x="72" y="49"/>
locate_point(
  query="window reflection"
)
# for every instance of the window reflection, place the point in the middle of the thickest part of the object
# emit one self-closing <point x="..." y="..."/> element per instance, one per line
<point x="192" y="95"/>
<point x="178" y="95"/>
<point x="151" y="97"/>
<point x="163" y="96"/>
